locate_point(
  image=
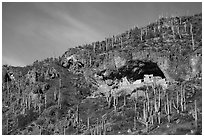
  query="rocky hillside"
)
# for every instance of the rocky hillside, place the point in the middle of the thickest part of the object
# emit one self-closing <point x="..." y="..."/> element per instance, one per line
<point x="143" y="81"/>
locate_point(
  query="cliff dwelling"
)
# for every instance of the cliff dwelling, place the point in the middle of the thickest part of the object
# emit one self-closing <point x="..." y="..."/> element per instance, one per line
<point x="135" y="70"/>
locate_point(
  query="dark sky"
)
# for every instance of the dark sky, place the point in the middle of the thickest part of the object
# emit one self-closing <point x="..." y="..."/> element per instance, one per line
<point x="35" y="31"/>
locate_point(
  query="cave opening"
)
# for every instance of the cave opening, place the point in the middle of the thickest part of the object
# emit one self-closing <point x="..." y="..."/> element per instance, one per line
<point x="135" y="70"/>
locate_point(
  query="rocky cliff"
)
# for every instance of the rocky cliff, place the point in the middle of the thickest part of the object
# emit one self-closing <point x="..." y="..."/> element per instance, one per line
<point x="174" y="44"/>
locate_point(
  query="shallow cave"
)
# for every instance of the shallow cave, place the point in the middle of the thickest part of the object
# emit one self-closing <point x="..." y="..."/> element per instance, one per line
<point x="135" y="70"/>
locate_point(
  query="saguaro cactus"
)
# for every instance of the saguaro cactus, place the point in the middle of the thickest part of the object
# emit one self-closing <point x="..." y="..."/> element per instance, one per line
<point x="112" y="41"/>
<point x="59" y="95"/>
<point x="191" y="30"/>
<point x="135" y="108"/>
<point x="176" y="106"/>
<point x="77" y="114"/>
<point x="145" y="116"/>
<point x="185" y="26"/>
<point x="196" y="114"/>
<point x="124" y="100"/>
<point x="60" y="83"/>
<point x="135" y="126"/>
<point x="55" y="94"/>
<point x="39" y="107"/>
<point x="159" y="107"/>
<point x="114" y="102"/>
<point x="106" y="42"/>
<point x="7" y="125"/>
<point x="178" y="31"/>
<point x="64" y="130"/>
<point x="29" y="101"/>
<point x="94" y="47"/>
<point x="182" y="101"/>
<point x="97" y="126"/>
<point x="108" y="99"/>
<point x="141" y="33"/>
<point x="147" y="97"/>
<point x="90" y="61"/>
<point x="59" y="100"/>
<point x="167" y="108"/>
<point x="19" y="89"/>
<point x="172" y="28"/>
<point x="88" y="123"/>
<point x="45" y="100"/>
<point x="40" y="128"/>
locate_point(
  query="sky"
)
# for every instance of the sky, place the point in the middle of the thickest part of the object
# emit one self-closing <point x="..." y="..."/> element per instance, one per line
<point x="36" y="31"/>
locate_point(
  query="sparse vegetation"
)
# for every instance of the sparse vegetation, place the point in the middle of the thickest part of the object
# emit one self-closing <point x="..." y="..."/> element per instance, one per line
<point x="83" y="91"/>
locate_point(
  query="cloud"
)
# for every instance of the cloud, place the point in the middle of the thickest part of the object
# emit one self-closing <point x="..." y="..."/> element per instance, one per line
<point x="70" y="27"/>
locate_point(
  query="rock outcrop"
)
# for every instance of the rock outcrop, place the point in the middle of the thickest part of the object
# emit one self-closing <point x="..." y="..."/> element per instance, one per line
<point x="174" y="44"/>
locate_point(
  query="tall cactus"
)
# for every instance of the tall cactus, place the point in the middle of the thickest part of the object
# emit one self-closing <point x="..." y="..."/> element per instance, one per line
<point x="135" y="108"/>
<point x="106" y="42"/>
<point x="88" y="122"/>
<point x="191" y="30"/>
<point x="167" y="108"/>
<point x="151" y="113"/>
<point x="196" y="114"/>
<point x="159" y="105"/>
<point x="178" y="31"/>
<point x="141" y="33"/>
<point x="105" y="129"/>
<point x="114" y="102"/>
<point x="59" y="95"/>
<point x="29" y="102"/>
<point x="64" y="130"/>
<point x="135" y="126"/>
<point x="121" y="41"/>
<point x="7" y="87"/>
<point x="94" y="47"/>
<point x="90" y="60"/>
<point x="39" y="107"/>
<point x="97" y="127"/>
<point x="146" y="116"/>
<point x="144" y="112"/>
<point x="148" y="102"/>
<point x="45" y="100"/>
<point x="35" y="105"/>
<point x="182" y="99"/>
<point x="55" y="94"/>
<point x="26" y="102"/>
<point x="60" y="83"/>
<point x="112" y="44"/>
<point x="176" y="106"/>
<point x="19" y="87"/>
<point x="172" y="28"/>
<point x="124" y="100"/>
<point x="40" y="129"/>
<point x="77" y="114"/>
<point x="109" y="101"/>
<point x="7" y="124"/>
<point x="185" y="26"/>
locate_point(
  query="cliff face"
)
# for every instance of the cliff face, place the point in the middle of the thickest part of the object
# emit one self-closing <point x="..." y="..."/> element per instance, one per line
<point x="111" y="83"/>
<point x="174" y="44"/>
